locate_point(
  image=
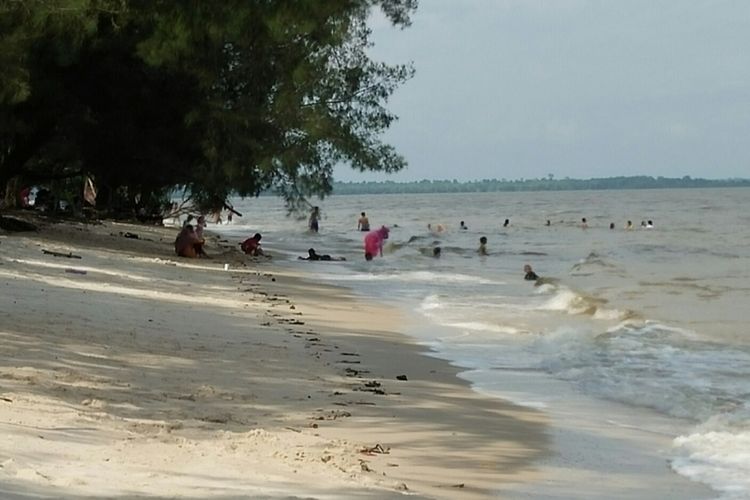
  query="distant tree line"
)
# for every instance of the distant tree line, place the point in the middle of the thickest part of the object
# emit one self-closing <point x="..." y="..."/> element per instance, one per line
<point x="224" y="97"/>
<point x="547" y="184"/>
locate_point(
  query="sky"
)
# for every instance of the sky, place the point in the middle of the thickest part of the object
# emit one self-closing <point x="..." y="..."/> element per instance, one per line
<point x="573" y="88"/>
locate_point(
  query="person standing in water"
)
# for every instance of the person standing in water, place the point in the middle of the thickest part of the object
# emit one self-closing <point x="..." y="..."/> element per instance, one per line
<point x="363" y="224"/>
<point x="482" y="250"/>
<point x="314" y="218"/>
<point x="374" y="241"/>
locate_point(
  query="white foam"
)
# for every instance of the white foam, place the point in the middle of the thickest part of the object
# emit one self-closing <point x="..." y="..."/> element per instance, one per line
<point x="419" y="277"/>
<point x="720" y="459"/>
<point x="566" y="300"/>
<point x="485" y="327"/>
<point x="430" y="303"/>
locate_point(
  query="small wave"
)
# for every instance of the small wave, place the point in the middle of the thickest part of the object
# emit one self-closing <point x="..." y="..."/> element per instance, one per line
<point x="717" y="458"/>
<point x="485" y="327"/>
<point x="570" y="302"/>
<point x="430" y="303"/>
<point x="592" y="260"/>
<point x="419" y="277"/>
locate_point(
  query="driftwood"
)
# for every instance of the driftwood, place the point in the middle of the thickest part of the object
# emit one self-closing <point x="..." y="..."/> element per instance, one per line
<point x="69" y="255"/>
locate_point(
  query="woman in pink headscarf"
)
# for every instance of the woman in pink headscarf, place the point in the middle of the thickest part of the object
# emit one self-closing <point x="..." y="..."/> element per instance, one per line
<point x="374" y="242"/>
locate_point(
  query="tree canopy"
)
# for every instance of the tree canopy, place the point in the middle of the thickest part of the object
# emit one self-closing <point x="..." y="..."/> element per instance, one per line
<point x="238" y="96"/>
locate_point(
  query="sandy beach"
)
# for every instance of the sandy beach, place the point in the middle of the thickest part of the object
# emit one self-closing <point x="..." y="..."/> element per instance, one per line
<point x="130" y="373"/>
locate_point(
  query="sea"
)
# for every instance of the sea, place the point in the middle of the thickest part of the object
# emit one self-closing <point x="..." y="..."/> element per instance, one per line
<point x="645" y="328"/>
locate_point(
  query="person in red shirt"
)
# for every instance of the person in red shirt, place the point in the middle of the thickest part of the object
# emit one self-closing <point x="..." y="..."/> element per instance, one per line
<point x="251" y="246"/>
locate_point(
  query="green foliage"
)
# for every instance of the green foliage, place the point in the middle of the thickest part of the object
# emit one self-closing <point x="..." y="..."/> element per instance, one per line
<point x="546" y="184"/>
<point x="217" y="97"/>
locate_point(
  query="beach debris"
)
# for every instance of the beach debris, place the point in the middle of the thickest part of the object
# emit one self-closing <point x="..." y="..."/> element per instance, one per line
<point x="364" y="466"/>
<point x="216" y="419"/>
<point x="332" y="415"/>
<point x="7" y="400"/>
<point x="402" y="487"/>
<point x="292" y="429"/>
<point x="377" y="449"/>
<point x="75" y="271"/>
<point x="349" y="354"/>
<point x="371" y="386"/>
<point x="130" y="235"/>
<point x="401" y="377"/>
<point x="68" y="255"/>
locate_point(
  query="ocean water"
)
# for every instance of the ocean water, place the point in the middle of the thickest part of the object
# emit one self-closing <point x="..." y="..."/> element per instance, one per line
<point x="651" y="323"/>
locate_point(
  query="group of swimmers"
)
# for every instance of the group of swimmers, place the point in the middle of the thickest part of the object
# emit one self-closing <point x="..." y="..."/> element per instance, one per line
<point x="190" y="241"/>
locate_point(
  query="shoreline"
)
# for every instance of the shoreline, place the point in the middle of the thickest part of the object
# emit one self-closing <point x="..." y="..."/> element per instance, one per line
<point x="589" y="438"/>
<point x="131" y="372"/>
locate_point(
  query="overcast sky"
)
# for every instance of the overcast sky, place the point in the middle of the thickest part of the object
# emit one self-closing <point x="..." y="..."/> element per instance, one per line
<point x="574" y="88"/>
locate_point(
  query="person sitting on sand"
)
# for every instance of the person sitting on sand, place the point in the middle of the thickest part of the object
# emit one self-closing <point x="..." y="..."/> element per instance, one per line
<point x="313" y="255"/>
<point x="363" y="224"/>
<point x="530" y="274"/>
<point x="482" y="250"/>
<point x="374" y="242"/>
<point x="187" y="243"/>
<point x="251" y="246"/>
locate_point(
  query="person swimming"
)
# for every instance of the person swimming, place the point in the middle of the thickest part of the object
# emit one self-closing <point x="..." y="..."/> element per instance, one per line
<point x="530" y="274"/>
<point x="313" y="255"/>
<point x="436" y="252"/>
<point x="506" y="223"/>
<point x="463" y="226"/>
